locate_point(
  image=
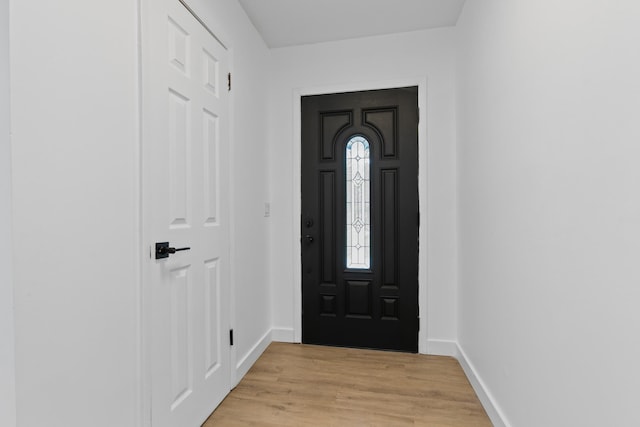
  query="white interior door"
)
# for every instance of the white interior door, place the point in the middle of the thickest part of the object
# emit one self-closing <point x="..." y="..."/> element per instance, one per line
<point x="185" y="203"/>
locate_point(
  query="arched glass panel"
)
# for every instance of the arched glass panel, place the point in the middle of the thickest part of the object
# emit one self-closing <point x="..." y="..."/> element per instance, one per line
<point x="358" y="180"/>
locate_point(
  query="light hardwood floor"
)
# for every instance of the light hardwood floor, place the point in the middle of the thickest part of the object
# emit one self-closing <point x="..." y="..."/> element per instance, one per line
<point x="303" y="385"/>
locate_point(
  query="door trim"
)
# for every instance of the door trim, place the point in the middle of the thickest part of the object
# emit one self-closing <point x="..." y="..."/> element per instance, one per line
<point x="296" y="151"/>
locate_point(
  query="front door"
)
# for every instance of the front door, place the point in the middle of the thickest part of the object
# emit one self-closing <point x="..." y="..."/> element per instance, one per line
<point x="359" y="225"/>
<point x="185" y="210"/>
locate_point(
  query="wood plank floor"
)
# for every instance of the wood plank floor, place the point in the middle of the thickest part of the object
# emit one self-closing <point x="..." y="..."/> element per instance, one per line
<point x="302" y="385"/>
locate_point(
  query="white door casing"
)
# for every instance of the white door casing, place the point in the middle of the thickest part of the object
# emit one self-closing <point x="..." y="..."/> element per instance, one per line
<point x="185" y="152"/>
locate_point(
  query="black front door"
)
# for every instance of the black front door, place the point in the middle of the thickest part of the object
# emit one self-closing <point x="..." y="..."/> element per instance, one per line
<point x="359" y="225"/>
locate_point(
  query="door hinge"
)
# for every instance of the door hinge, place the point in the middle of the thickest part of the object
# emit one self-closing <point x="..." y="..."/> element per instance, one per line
<point x="230" y="336"/>
<point x="229" y="81"/>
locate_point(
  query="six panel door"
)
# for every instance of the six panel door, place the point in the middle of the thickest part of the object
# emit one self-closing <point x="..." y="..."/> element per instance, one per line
<point x="185" y="158"/>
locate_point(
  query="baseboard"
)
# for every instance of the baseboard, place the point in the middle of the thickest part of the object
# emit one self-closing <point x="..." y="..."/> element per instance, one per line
<point x="282" y="334"/>
<point x="243" y="366"/>
<point x="488" y="402"/>
<point x="442" y="348"/>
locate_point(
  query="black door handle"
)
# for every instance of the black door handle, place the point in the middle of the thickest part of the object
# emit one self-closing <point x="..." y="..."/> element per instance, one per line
<point x="163" y="250"/>
<point x="309" y="238"/>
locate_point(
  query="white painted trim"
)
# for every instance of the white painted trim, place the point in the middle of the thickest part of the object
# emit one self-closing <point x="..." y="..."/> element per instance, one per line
<point x="8" y="407"/>
<point x="283" y="335"/>
<point x="423" y="206"/>
<point x="233" y="356"/>
<point x="143" y="383"/>
<point x="442" y="348"/>
<point x="144" y="251"/>
<point x="296" y="169"/>
<point x="251" y="357"/>
<point x="489" y="403"/>
<point x="421" y="82"/>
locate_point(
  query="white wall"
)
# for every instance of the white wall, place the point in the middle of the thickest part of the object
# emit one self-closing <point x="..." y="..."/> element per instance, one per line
<point x="7" y="343"/>
<point x="75" y="173"/>
<point x="549" y="207"/>
<point x="249" y="174"/>
<point x="426" y="55"/>
<point x="75" y="184"/>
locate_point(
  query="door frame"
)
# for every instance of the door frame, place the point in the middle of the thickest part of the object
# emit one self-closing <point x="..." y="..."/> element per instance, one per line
<point x="296" y="150"/>
<point x="145" y="237"/>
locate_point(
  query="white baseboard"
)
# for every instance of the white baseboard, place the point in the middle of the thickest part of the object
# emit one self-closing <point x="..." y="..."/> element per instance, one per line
<point x="496" y="416"/>
<point x="282" y="335"/>
<point x="243" y="366"/>
<point x="442" y="348"/>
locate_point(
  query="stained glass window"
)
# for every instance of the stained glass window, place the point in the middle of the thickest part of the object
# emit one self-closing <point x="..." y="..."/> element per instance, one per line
<point x="358" y="181"/>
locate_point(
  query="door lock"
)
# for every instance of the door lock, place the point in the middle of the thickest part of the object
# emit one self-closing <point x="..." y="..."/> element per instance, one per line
<point x="163" y="250"/>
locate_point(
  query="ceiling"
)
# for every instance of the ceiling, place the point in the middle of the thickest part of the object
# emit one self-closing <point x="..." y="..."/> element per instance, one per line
<point x="295" y="22"/>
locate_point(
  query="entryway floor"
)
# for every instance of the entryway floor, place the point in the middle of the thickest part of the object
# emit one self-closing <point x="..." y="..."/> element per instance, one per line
<point x="304" y="385"/>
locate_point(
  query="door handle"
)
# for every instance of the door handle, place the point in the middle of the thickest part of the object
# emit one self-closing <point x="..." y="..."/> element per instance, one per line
<point x="163" y="250"/>
<point x="308" y="238"/>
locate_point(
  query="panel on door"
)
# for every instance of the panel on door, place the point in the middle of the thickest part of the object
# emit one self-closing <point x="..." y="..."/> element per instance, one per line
<point x="185" y="158"/>
<point x="360" y="219"/>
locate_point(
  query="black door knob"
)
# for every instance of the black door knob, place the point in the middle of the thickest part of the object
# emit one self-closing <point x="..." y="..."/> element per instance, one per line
<point x="163" y="250"/>
<point x="308" y="238"/>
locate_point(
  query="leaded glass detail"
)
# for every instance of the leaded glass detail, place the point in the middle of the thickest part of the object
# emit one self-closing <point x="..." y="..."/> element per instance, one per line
<point x="358" y="183"/>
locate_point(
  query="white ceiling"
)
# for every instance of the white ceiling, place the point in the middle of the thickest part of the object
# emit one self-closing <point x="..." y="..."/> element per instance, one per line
<point x="294" y="22"/>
